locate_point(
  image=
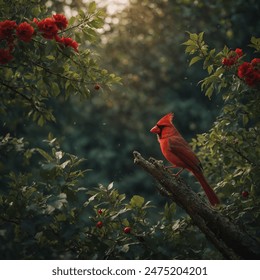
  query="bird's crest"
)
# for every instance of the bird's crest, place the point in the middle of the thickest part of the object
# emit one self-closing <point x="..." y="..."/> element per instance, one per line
<point x="166" y="120"/>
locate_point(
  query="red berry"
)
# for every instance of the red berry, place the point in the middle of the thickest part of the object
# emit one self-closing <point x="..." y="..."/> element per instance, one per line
<point x="100" y="211"/>
<point x="99" y="224"/>
<point x="127" y="230"/>
<point x="97" y="87"/>
<point x="245" y="194"/>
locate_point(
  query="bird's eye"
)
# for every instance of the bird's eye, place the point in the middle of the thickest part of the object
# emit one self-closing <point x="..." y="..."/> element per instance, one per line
<point x="160" y="126"/>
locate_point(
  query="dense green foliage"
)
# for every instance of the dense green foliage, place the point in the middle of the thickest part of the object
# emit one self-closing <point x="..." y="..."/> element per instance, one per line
<point x="230" y="149"/>
<point x="67" y="125"/>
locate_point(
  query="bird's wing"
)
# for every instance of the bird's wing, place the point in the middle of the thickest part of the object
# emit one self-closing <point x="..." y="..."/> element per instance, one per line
<point x="180" y="148"/>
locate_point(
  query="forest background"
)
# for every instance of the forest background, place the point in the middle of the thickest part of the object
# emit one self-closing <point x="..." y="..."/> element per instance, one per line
<point x="59" y="106"/>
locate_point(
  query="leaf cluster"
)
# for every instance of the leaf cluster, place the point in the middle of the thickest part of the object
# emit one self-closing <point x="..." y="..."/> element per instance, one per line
<point x="230" y="150"/>
<point x="42" y="70"/>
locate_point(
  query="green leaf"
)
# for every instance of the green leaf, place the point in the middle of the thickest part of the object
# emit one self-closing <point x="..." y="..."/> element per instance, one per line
<point x="190" y="43"/>
<point x="50" y="57"/>
<point x="44" y="154"/>
<point x="255" y="43"/>
<point x="210" y="69"/>
<point x="176" y="225"/>
<point x="110" y="186"/>
<point x="64" y="164"/>
<point x="55" y="89"/>
<point x="191" y="49"/>
<point x="96" y="23"/>
<point x="72" y="20"/>
<point x="194" y="60"/>
<point x="125" y="222"/>
<point x="61" y="217"/>
<point x="36" y="11"/>
<point x="137" y="201"/>
<point x="92" y="7"/>
<point x="92" y="198"/>
<point x="193" y="36"/>
<point x="81" y="13"/>
<point x="122" y="211"/>
<point x="201" y="34"/>
<point x="169" y="210"/>
<point x="41" y="120"/>
<point x="219" y="71"/>
<point x="209" y="91"/>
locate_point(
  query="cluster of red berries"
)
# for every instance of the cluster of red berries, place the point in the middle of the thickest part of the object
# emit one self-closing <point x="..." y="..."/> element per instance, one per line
<point x="11" y="32"/>
<point x="99" y="224"/>
<point x="232" y="58"/>
<point x="249" y="72"/>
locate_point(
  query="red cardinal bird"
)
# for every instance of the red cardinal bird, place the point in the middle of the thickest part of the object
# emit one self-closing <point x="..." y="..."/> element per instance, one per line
<point x="178" y="152"/>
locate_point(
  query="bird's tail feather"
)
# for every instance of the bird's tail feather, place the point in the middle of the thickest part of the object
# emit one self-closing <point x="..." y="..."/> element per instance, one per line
<point x="213" y="199"/>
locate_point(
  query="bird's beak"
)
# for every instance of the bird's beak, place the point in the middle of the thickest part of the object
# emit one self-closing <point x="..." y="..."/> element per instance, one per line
<point x="155" y="130"/>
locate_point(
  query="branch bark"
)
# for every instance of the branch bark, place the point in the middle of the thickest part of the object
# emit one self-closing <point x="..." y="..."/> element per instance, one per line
<point x="227" y="237"/>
